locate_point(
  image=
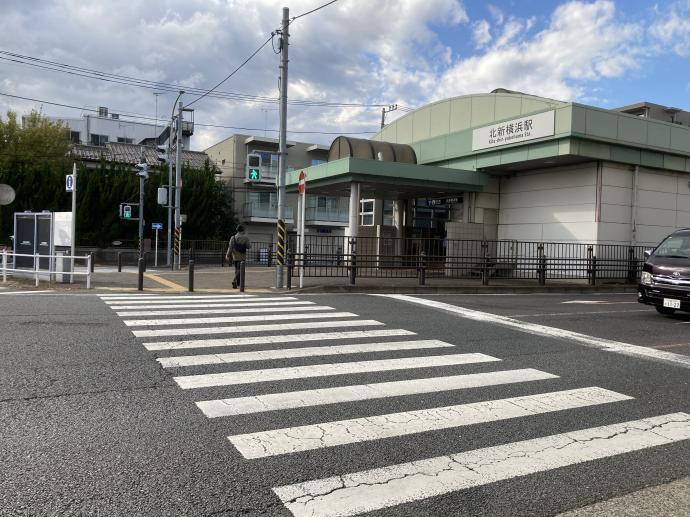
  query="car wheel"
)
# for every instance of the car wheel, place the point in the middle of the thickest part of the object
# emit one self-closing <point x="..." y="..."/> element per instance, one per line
<point x="665" y="310"/>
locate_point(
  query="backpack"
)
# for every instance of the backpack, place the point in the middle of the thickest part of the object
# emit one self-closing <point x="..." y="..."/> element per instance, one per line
<point x="238" y="246"/>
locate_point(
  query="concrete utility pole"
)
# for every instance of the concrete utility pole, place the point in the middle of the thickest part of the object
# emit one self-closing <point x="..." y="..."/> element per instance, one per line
<point x="178" y="189"/>
<point x="142" y="178"/>
<point x="170" y="198"/>
<point x="74" y="221"/>
<point x="282" y="147"/>
<point x="390" y="108"/>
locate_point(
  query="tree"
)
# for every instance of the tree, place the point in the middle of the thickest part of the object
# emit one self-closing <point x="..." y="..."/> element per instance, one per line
<point x="33" y="161"/>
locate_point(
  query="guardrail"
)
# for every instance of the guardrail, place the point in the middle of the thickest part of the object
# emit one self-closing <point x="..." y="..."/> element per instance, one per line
<point x="422" y="258"/>
<point x="51" y="271"/>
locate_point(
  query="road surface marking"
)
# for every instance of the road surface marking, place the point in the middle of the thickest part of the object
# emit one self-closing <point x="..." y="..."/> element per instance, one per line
<point x="675" y="345"/>
<point x="15" y="293"/>
<point x="580" y="313"/>
<point x="290" y="353"/>
<point x="231" y="303"/>
<point x="543" y="330"/>
<point x="265" y="340"/>
<point x="181" y="298"/>
<point x="236" y="310"/>
<point x="255" y="328"/>
<point x="164" y="281"/>
<point x="326" y="370"/>
<point x="374" y="489"/>
<point x="238" y="319"/>
<point x="330" y="434"/>
<point x="597" y="302"/>
<point x="318" y="397"/>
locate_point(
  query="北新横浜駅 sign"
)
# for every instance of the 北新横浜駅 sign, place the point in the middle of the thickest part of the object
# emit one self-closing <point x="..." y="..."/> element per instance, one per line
<point x="514" y="131"/>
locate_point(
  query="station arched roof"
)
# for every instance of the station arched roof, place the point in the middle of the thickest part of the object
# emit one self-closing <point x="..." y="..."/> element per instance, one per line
<point x="464" y="112"/>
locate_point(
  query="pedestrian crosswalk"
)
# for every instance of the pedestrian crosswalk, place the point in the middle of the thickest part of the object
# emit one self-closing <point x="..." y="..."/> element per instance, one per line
<point x="244" y="341"/>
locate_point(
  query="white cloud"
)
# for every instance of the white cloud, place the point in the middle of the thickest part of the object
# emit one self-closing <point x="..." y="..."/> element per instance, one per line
<point x="672" y="27"/>
<point x="583" y="42"/>
<point x="481" y="33"/>
<point x="496" y="14"/>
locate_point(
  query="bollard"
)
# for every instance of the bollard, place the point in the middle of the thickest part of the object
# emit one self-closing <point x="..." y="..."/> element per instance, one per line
<point x="36" y="268"/>
<point x="191" y="276"/>
<point x="590" y="265"/>
<point x="291" y="261"/>
<point x="422" y="269"/>
<point x="632" y="266"/>
<point x="92" y="256"/>
<point x="242" y="270"/>
<point x="119" y="262"/>
<point x="353" y="262"/>
<point x="541" y="265"/>
<point x="485" y="263"/>
<point x="89" y="270"/>
<point x="4" y="265"/>
<point x="140" y="283"/>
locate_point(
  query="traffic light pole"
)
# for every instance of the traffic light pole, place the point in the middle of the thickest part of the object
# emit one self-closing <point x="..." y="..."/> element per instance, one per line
<point x="170" y="198"/>
<point x="178" y="189"/>
<point x="142" y="179"/>
<point x="282" y="148"/>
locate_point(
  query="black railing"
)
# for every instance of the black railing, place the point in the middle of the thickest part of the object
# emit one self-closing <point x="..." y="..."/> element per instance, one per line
<point x="379" y="257"/>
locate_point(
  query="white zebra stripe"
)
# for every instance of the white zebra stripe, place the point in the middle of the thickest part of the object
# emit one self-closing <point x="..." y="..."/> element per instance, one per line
<point x="255" y="328"/>
<point x="290" y="353"/>
<point x="340" y="394"/>
<point x="238" y="310"/>
<point x="374" y="489"/>
<point x="325" y="370"/>
<point x="284" y="338"/>
<point x="331" y="434"/>
<point x="237" y="319"/>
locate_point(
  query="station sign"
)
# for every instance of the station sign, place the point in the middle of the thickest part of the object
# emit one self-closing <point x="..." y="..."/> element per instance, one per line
<point x="514" y="131"/>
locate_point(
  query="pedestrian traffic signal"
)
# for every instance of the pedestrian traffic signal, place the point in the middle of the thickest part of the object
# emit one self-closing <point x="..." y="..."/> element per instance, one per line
<point x="254" y="174"/>
<point x="162" y="152"/>
<point x="127" y="212"/>
<point x="253" y="167"/>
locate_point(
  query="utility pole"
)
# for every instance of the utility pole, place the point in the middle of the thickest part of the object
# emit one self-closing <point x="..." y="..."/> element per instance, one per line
<point x="74" y="220"/>
<point x="169" y="261"/>
<point x="143" y="174"/>
<point x="390" y="108"/>
<point x="282" y="147"/>
<point x="178" y="188"/>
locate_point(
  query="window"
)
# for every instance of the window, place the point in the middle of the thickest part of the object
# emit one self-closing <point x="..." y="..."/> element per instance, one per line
<point x="75" y="137"/>
<point x="99" y="139"/>
<point x="387" y="212"/>
<point x="122" y="140"/>
<point x="366" y="212"/>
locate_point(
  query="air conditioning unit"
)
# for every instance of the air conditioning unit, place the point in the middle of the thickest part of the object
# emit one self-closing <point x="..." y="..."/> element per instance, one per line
<point x="102" y="111"/>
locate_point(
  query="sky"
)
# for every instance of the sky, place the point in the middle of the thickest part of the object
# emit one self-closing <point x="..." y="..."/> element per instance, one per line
<point x="358" y="54"/>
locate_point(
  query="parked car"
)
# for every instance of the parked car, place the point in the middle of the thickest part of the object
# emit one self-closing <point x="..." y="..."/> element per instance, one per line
<point x="665" y="280"/>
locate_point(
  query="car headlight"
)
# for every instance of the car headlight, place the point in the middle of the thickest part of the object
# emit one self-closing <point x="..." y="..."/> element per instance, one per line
<point x="646" y="278"/>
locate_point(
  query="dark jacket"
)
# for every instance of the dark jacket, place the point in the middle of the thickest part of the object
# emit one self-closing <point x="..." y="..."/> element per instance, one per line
<point x="243" y="241"/>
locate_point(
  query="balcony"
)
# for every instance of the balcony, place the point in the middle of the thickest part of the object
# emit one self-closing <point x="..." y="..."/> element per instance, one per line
<point x="323" y="216"/>
<point x="258" y="212"/>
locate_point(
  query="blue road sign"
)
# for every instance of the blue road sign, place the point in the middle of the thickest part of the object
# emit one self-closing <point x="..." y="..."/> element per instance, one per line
<point x="156" y="226"/>
<point x="69" y="183"/>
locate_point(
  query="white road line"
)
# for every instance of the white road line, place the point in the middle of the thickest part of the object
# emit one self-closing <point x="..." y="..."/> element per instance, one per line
<point x="290" y="353"/>
<point x="172" y="299"/>
<point x="326" y="370"/>
<point x="255" y="328"/>
<point x="318" y="397"/>
<point x="232" y="303"/>
<point x="17" y="293"/>
<point x="578" y="313"/>
<point x="331" y="434"/>
<point x="237" y="319"/>
<point x="597" y="302"/>
<point x="543" y="330"/>
<point x="374" y="489"/>
<point x="265" y="340"/>
<point x="237" y="310"/>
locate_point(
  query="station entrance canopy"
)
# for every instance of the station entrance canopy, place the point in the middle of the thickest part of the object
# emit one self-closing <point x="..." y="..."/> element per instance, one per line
<point x="383" y="171"/>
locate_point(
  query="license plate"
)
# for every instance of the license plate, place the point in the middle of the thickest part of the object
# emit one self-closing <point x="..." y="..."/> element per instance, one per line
<point x="671" y="303"/>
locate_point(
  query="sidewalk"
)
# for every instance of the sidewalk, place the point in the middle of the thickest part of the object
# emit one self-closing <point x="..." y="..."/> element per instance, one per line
<point x="263" y="279"/>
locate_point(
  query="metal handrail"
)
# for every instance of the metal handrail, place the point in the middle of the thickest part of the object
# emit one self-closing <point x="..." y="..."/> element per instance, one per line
<point x="36" y="262"/>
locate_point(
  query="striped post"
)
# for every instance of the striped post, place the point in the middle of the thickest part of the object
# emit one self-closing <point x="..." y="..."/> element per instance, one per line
<point x="280" y="249"/>
<point x="176" y="244"/>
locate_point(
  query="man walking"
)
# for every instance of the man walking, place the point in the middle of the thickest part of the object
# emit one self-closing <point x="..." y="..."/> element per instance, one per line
<point x="237" y="249"/>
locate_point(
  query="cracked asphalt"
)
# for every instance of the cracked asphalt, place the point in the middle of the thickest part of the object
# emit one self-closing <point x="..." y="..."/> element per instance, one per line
<point x="92" y="424"/>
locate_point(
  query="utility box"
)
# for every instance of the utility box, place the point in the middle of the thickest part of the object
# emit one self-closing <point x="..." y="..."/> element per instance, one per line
<point x="43" y="233"/>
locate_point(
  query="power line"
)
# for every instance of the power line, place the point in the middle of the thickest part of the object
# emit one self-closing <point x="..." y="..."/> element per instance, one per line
<point x="233" y="72"/>
<point x="145" y="117"/>
<point x="314" y="10"/>
<point x="88" y="73"/>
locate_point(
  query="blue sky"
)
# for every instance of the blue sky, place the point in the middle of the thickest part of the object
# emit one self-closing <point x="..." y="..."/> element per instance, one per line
<point x="606" y="53"/>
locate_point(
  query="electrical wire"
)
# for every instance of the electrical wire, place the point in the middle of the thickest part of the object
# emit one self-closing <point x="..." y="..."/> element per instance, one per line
<point x="314" y="10"/>
<point x="233" y="72"/>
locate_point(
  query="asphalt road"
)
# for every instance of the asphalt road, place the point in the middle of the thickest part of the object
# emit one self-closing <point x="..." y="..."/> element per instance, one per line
<point x="92" y="424"/>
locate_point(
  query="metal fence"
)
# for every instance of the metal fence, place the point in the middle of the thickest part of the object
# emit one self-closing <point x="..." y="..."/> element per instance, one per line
<point x="424" y="258"/>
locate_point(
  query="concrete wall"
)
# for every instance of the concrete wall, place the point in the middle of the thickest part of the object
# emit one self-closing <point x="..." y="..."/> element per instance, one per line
<point x="556" y="205"/>
<point x="663" y="204"/>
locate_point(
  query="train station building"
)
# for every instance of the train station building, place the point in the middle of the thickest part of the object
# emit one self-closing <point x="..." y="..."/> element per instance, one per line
<point x="511" y="166"/>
